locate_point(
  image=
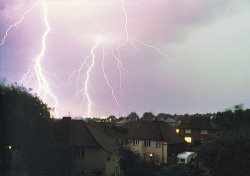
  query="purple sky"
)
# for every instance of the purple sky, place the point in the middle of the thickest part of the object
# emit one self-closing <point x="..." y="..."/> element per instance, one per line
<point x="195" y="57"/>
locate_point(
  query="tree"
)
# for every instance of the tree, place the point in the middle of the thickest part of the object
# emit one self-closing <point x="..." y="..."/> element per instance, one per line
<point x="26" y="126"/>
<point x="133" y="116"/>
<point x="164" y="115"/>
<point x="148" y="115"/>
<point x="227" y="151"/>
<point x="111" y="118"/>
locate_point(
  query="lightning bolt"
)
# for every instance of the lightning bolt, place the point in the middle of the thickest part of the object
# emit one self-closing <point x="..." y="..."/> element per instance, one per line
<point x="43" y="88"/>
<point x="117" y="56"/>
<point x="88" y="75"/>
<point x="42" y="85"/>
<point x="131" y="39"/>
<point x="86" y="82"/>
<point x="16" y="24"/>
<point x="106" y="78"/>
<point x="36" y="69"/>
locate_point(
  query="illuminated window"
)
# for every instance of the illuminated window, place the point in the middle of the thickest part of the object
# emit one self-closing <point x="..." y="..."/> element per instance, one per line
<point x="177" y="130"/>
<point x="203" y="131"/>
<point x="188" y="139"/>
<point x="136" y="142"/>
<point x="188" y="131"/>
<point x="158" y="144"/>
<point x="146" y="143"/>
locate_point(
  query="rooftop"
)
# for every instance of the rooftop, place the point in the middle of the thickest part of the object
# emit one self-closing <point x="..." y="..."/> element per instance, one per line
<point x="155" y="130"/>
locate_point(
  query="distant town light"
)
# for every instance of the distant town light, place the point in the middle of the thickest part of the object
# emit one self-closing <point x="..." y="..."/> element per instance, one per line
<point x="10" y="147"/>
<point x="177" y="130"/>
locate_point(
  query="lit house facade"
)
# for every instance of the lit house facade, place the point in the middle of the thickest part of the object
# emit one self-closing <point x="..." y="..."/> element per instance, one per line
<point x="155" y="141"/>
<point x="197" y="130"/>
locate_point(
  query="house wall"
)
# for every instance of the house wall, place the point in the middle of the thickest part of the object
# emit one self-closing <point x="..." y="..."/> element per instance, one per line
<point x="98" y="160"/>
<point x="94" y="160"/>
<point x="113" y="166"/>
<point x="160" y="154"/>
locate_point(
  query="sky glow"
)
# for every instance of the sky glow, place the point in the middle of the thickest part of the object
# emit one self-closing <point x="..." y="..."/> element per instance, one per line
<point x="101" y="58"/>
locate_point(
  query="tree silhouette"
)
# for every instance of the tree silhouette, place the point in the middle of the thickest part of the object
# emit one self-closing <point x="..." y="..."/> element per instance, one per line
<point x="36" y="140"/>
<point x="227" y="151"/>
<point x="133" y="116"/>
<point x="148" y="115"/>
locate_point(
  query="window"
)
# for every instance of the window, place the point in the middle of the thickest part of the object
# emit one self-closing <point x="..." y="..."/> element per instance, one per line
<point x="203" y="131"/>
<point x="78" y="152"/>
<point x="182" y="160"/>
<point x="188" y="131"/>
<point x="136" y="142"/>
<point x="158" y="144"/>
<point x="146" y="143"/>
<point x="188" y="139"/>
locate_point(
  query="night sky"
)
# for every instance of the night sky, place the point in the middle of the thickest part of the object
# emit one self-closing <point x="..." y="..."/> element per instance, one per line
<point x="177" y="57"/>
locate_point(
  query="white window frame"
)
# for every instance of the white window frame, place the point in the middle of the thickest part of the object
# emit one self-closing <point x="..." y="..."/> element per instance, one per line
<point x="203" y="131"/>
<point x="158" y="144"/>
<point x="188" y="131"/>
<point x="146" y="142"/>
<point x="136" y="141"/>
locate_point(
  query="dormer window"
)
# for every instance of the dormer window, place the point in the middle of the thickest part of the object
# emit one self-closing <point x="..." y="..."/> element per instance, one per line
<point x="203" y="131"/>
<point x="188" y="131"/>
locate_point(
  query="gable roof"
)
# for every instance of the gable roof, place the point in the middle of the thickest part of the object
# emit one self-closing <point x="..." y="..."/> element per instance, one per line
<point x="197" y="124"/>
<point x="82" y="134"/>
<point x="79" y="135"/>
<point x="103" y="140"/>
<point x="156" y="130"/>
<point x="133" y="125"/>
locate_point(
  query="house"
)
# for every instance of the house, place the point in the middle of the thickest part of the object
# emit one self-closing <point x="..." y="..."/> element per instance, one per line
<point x="196" y="130"/>
<point x="122" y="122"/>
<point x="92" y="151"/>
<point x="155" y="141"/>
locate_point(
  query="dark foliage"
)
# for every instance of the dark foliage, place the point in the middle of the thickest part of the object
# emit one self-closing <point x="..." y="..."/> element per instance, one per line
<point x="227" y="151"/>
<point x="133" y="116"/>
<point x="148" y="115"/>
<point x="36" y="140"/>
